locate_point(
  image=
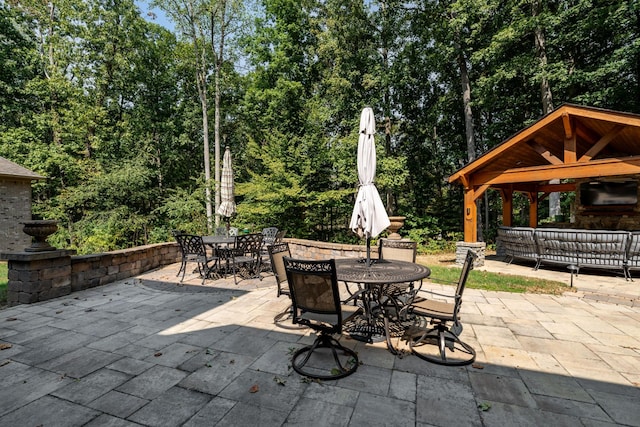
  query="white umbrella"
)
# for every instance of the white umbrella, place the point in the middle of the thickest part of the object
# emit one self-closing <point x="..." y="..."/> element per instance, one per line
<point x="369" y="217"/>
<point x="227" y="202"/>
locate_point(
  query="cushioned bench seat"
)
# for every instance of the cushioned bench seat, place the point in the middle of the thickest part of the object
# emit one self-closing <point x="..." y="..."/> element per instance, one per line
<point x="582" y="248"/>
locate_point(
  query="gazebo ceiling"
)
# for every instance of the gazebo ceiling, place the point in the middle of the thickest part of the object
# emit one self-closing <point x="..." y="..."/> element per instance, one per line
<point x="570" y="142"/>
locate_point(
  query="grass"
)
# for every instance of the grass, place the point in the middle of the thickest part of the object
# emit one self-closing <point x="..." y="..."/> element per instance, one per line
<point x="3" y="283"/>
<point x="498" y="282"/>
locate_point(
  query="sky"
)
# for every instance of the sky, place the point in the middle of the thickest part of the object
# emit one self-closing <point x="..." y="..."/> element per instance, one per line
<point x="154" y="15"/>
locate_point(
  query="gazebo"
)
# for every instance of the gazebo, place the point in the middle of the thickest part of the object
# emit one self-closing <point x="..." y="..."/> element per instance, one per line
<point x="574" y="144"/>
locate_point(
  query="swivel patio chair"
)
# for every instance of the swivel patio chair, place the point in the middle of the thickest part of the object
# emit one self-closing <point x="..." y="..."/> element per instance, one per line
<point x="446" y="327"/>
<point x="316" y="304"/>
<point x="193" y="250"/>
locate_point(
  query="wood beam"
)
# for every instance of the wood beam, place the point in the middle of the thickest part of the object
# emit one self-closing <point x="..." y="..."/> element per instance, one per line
<point x="566" y="124"/>
<point x="601" y="144"/>
<point x="592" y="169"/>
<point x="551" y="188"/>
<point x="570" y="147"/>
<point x="544" y="152"/>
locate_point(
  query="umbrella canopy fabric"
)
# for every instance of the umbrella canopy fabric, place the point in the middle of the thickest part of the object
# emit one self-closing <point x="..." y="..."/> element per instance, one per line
<point x="227" y="202"/>
<point x="369" y="217"/>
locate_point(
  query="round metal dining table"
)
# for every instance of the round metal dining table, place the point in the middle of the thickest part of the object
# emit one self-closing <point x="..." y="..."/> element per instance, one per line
<point x="375" y="279"/>
<point x="218" y="240"/>
<point x="380" y="272"/>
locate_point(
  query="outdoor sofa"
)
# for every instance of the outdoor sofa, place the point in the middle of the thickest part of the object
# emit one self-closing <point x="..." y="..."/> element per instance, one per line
<point x="606" y="249"/>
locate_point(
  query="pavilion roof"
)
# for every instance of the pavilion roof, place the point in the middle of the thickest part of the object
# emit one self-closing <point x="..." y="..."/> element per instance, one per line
<point x="571" y="142"/>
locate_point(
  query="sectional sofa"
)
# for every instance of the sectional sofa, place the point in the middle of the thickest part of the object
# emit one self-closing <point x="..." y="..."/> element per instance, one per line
<point x="607" y="249"/>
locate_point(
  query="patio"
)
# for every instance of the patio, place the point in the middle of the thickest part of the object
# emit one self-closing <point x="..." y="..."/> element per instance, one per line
<point x="144" y="351"/>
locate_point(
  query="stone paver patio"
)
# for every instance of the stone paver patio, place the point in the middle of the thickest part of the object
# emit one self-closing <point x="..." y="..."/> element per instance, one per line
<point x="145" y="351"/>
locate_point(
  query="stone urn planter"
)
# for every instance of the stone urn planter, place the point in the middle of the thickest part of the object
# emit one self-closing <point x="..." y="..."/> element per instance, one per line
<point x="396" y="224"/>
<point x="40" y="230"/>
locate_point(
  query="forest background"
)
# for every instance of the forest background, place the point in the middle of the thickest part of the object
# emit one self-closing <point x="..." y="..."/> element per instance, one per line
<point x="118" y="111"/>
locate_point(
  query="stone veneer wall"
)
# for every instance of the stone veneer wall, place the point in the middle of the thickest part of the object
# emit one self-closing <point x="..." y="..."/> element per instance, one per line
<point x="311" y="249"/>
<point x="39" y="276"/>
<point x="15" y="207"/>
<point x="88" y="271"/>
<point x="478" y="247"/>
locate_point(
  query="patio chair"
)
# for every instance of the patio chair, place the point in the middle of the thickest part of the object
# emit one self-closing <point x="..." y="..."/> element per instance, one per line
<point x="277" y="252"/>
<point x="233" y="231"/>
<point x="280" y="236"/>
<point x="269" y="235"/>
<point x="316" y="304"/>
<point x="220" y="231"/>
<point x="449" y="349"/>
<point x="397" y="295"/>
<point x="245" y="256"/>
<point x="193" y="249"/>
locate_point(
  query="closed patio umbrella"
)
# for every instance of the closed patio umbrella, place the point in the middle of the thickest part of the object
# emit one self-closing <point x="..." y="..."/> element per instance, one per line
<point x="369" y="217"/>
<point x="227" y="206"/>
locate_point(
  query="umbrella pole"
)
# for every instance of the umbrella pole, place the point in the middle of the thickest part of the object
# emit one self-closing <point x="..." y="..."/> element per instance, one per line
<point x="368" y="251"/>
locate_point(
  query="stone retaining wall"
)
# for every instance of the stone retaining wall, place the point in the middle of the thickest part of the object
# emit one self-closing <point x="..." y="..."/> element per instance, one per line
<point x="39" y="276"/>
<point x="312" y="249"/>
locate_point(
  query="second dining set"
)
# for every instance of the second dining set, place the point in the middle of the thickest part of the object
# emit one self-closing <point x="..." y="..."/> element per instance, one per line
<point x="227" y="252"/>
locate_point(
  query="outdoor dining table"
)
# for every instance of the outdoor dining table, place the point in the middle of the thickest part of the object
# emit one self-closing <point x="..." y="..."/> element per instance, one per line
<point x="220" y="244"/>
<point x="375" y="279"/>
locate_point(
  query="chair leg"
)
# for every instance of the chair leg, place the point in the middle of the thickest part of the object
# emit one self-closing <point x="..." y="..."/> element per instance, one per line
<point x="324" y="341"/>
<point x="451" y="351"/>
<point x="284" y="319"/>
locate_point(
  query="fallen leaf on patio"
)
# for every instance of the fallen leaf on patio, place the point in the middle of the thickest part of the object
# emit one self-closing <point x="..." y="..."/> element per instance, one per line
<point x="59" y="311"/>
<point x="484" y="406"/>
<point x="477" y="366"/>
<point x="11" y="319"/>
<point x="88" y="310"/>
<point x="5" y="346"/>
<point x="254" y="388"/>
<point x="158" y="354"/>
<point x="232" y="361"/>
<point x="5" y="362"/>
<point x="279" y="380"/>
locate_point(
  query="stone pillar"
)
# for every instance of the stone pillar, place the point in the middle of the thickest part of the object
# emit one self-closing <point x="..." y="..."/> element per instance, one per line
<point x="38" y="276"/>
<point x="477" y="247"/>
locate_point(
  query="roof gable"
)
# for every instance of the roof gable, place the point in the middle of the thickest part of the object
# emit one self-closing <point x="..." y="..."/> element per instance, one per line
<point x="8" y="169"/>
<point x="570" y="142"/>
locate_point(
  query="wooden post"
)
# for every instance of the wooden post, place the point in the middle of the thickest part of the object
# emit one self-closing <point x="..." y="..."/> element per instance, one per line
<point x="470" y="216"/>
<point x="533" y="209"/>
<point x="507" y="206"/>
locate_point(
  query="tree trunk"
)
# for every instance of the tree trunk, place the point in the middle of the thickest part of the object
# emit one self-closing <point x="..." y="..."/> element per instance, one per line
<point x="545" y="94"/>
<point x="468" y="125"/>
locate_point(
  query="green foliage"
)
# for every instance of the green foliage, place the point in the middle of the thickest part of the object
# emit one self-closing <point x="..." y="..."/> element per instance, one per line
<point x="105" y="105"/>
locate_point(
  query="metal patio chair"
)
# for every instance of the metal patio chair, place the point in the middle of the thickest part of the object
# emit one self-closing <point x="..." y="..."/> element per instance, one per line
<point x="316" y="304"/>
<point x="193" y="250"/>
<point x="245" y="257"/>
<point x="446" y="328"/>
